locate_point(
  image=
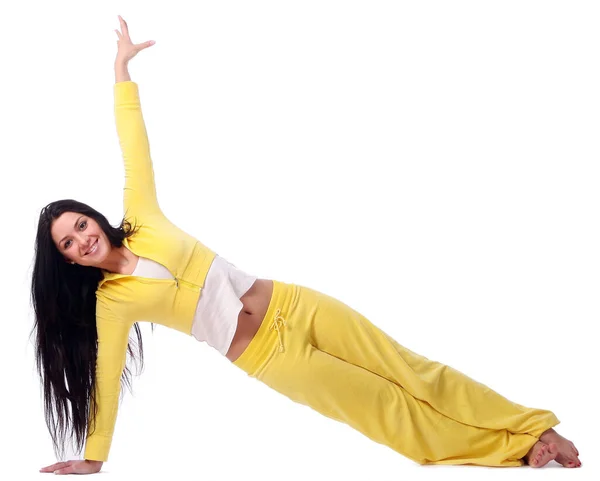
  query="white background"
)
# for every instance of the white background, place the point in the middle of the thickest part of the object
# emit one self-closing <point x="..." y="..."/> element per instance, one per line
<point x="432" y="164"/>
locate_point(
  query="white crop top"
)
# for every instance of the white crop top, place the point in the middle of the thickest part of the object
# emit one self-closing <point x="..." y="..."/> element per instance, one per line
<point x="215" y="320"/>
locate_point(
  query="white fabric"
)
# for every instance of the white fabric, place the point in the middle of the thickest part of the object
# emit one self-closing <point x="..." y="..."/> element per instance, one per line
<point x="215" y="320"/>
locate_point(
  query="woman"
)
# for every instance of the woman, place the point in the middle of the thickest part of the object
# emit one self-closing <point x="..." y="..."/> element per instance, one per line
<point x="93" y="282"/>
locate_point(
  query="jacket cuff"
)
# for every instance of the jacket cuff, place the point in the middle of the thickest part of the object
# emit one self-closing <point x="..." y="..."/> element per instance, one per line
<point x="97" y="447"/>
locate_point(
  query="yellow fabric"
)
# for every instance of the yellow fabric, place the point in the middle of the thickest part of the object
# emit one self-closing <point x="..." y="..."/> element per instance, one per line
<point x="319" y="352"/>
<point x="122" y="300"/>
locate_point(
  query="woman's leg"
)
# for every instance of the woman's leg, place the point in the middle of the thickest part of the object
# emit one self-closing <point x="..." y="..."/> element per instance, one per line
<point x="319" y="352"/>
<point x="346" y="334"/>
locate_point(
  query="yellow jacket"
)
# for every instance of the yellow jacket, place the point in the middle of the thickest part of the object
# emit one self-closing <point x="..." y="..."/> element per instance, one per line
<point x="123" y="299"/>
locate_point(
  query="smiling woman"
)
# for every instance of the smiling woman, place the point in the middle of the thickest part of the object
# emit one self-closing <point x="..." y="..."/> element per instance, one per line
<point x="311" y="347"/>
<point x="80" y="224"/>
<point x="81" y="240"/>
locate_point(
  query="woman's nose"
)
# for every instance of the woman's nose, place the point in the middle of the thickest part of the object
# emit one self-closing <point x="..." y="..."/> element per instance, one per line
<point x="83" y="243"/>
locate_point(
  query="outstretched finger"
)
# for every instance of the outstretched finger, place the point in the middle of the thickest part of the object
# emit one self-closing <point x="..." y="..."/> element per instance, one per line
<point x="118" y="34"/>
<point x="53" y="467"/>
<point x="124" y="26"/>
<point x="70" y="469"/>
<point x="142" y="46"/>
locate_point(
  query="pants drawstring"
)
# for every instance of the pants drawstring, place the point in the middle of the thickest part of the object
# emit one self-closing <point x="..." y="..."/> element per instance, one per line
<point x="277" y="322"/>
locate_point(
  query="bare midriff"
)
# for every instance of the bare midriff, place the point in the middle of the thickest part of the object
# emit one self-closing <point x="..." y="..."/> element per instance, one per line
<point x="255" y="304"/>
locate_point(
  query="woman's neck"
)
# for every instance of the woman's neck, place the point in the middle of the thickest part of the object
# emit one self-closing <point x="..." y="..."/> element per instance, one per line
<point x="120" y="260"/>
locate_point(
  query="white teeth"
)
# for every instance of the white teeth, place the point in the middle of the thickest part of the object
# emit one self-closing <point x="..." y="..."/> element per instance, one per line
<point x="93" y="249"/>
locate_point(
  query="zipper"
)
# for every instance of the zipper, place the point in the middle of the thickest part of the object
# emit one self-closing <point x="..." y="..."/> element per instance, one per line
<point x="186" y="283"/>
<point x="175" y="278"/>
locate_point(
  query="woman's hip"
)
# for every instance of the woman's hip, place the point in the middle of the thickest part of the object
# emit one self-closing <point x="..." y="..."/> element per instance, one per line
<point x="297" y="320"/>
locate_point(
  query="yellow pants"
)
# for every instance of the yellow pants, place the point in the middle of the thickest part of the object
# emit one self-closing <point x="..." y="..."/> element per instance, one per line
<point x="319" y="352"/>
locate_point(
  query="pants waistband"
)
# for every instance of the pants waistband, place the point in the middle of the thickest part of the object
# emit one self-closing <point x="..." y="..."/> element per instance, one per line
<point x="270" y="339"/>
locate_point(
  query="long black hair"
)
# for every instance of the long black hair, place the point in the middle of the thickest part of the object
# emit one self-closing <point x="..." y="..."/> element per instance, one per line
<point x="63" y="296"/>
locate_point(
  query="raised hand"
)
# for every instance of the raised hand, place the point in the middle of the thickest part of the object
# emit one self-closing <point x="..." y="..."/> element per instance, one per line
<point x="127" y="49"/>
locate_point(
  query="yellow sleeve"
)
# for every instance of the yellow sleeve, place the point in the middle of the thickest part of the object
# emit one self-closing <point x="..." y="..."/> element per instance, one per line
<point x="139" y="193"/>
<point x="113" y="336"/>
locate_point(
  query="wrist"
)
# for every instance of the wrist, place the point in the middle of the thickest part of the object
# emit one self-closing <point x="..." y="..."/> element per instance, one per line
<point x="121" y="72"/>
<point x="121" y="61"/>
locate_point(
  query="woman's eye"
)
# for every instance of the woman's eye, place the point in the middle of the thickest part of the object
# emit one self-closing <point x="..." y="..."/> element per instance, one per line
<point x="80" y="224"/>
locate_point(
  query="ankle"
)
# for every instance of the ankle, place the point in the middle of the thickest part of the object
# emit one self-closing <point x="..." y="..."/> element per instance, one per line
<point x="547" y="433"/>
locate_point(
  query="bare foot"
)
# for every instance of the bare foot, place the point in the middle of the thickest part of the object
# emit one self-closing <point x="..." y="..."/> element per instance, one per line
<point x="541" y="454"/>
<point x="568" y="455"/>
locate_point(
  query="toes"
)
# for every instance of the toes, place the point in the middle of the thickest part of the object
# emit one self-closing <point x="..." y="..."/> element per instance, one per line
<point x="545" y="454"/>
<point x="541" y="453"/>
<point x="574" y="448"/>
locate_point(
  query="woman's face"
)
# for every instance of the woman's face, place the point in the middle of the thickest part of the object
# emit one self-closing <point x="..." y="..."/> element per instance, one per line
<point x="75" y="235"/>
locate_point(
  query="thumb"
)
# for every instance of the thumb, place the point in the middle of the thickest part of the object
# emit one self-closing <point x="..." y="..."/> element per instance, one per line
<point x="141" y="46"/>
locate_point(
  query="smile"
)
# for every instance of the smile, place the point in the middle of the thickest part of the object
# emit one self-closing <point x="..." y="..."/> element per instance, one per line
<point x="93" y="249"/>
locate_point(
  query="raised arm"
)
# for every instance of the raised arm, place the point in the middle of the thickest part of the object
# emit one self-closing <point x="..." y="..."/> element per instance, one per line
<point x="139" y="193"/>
